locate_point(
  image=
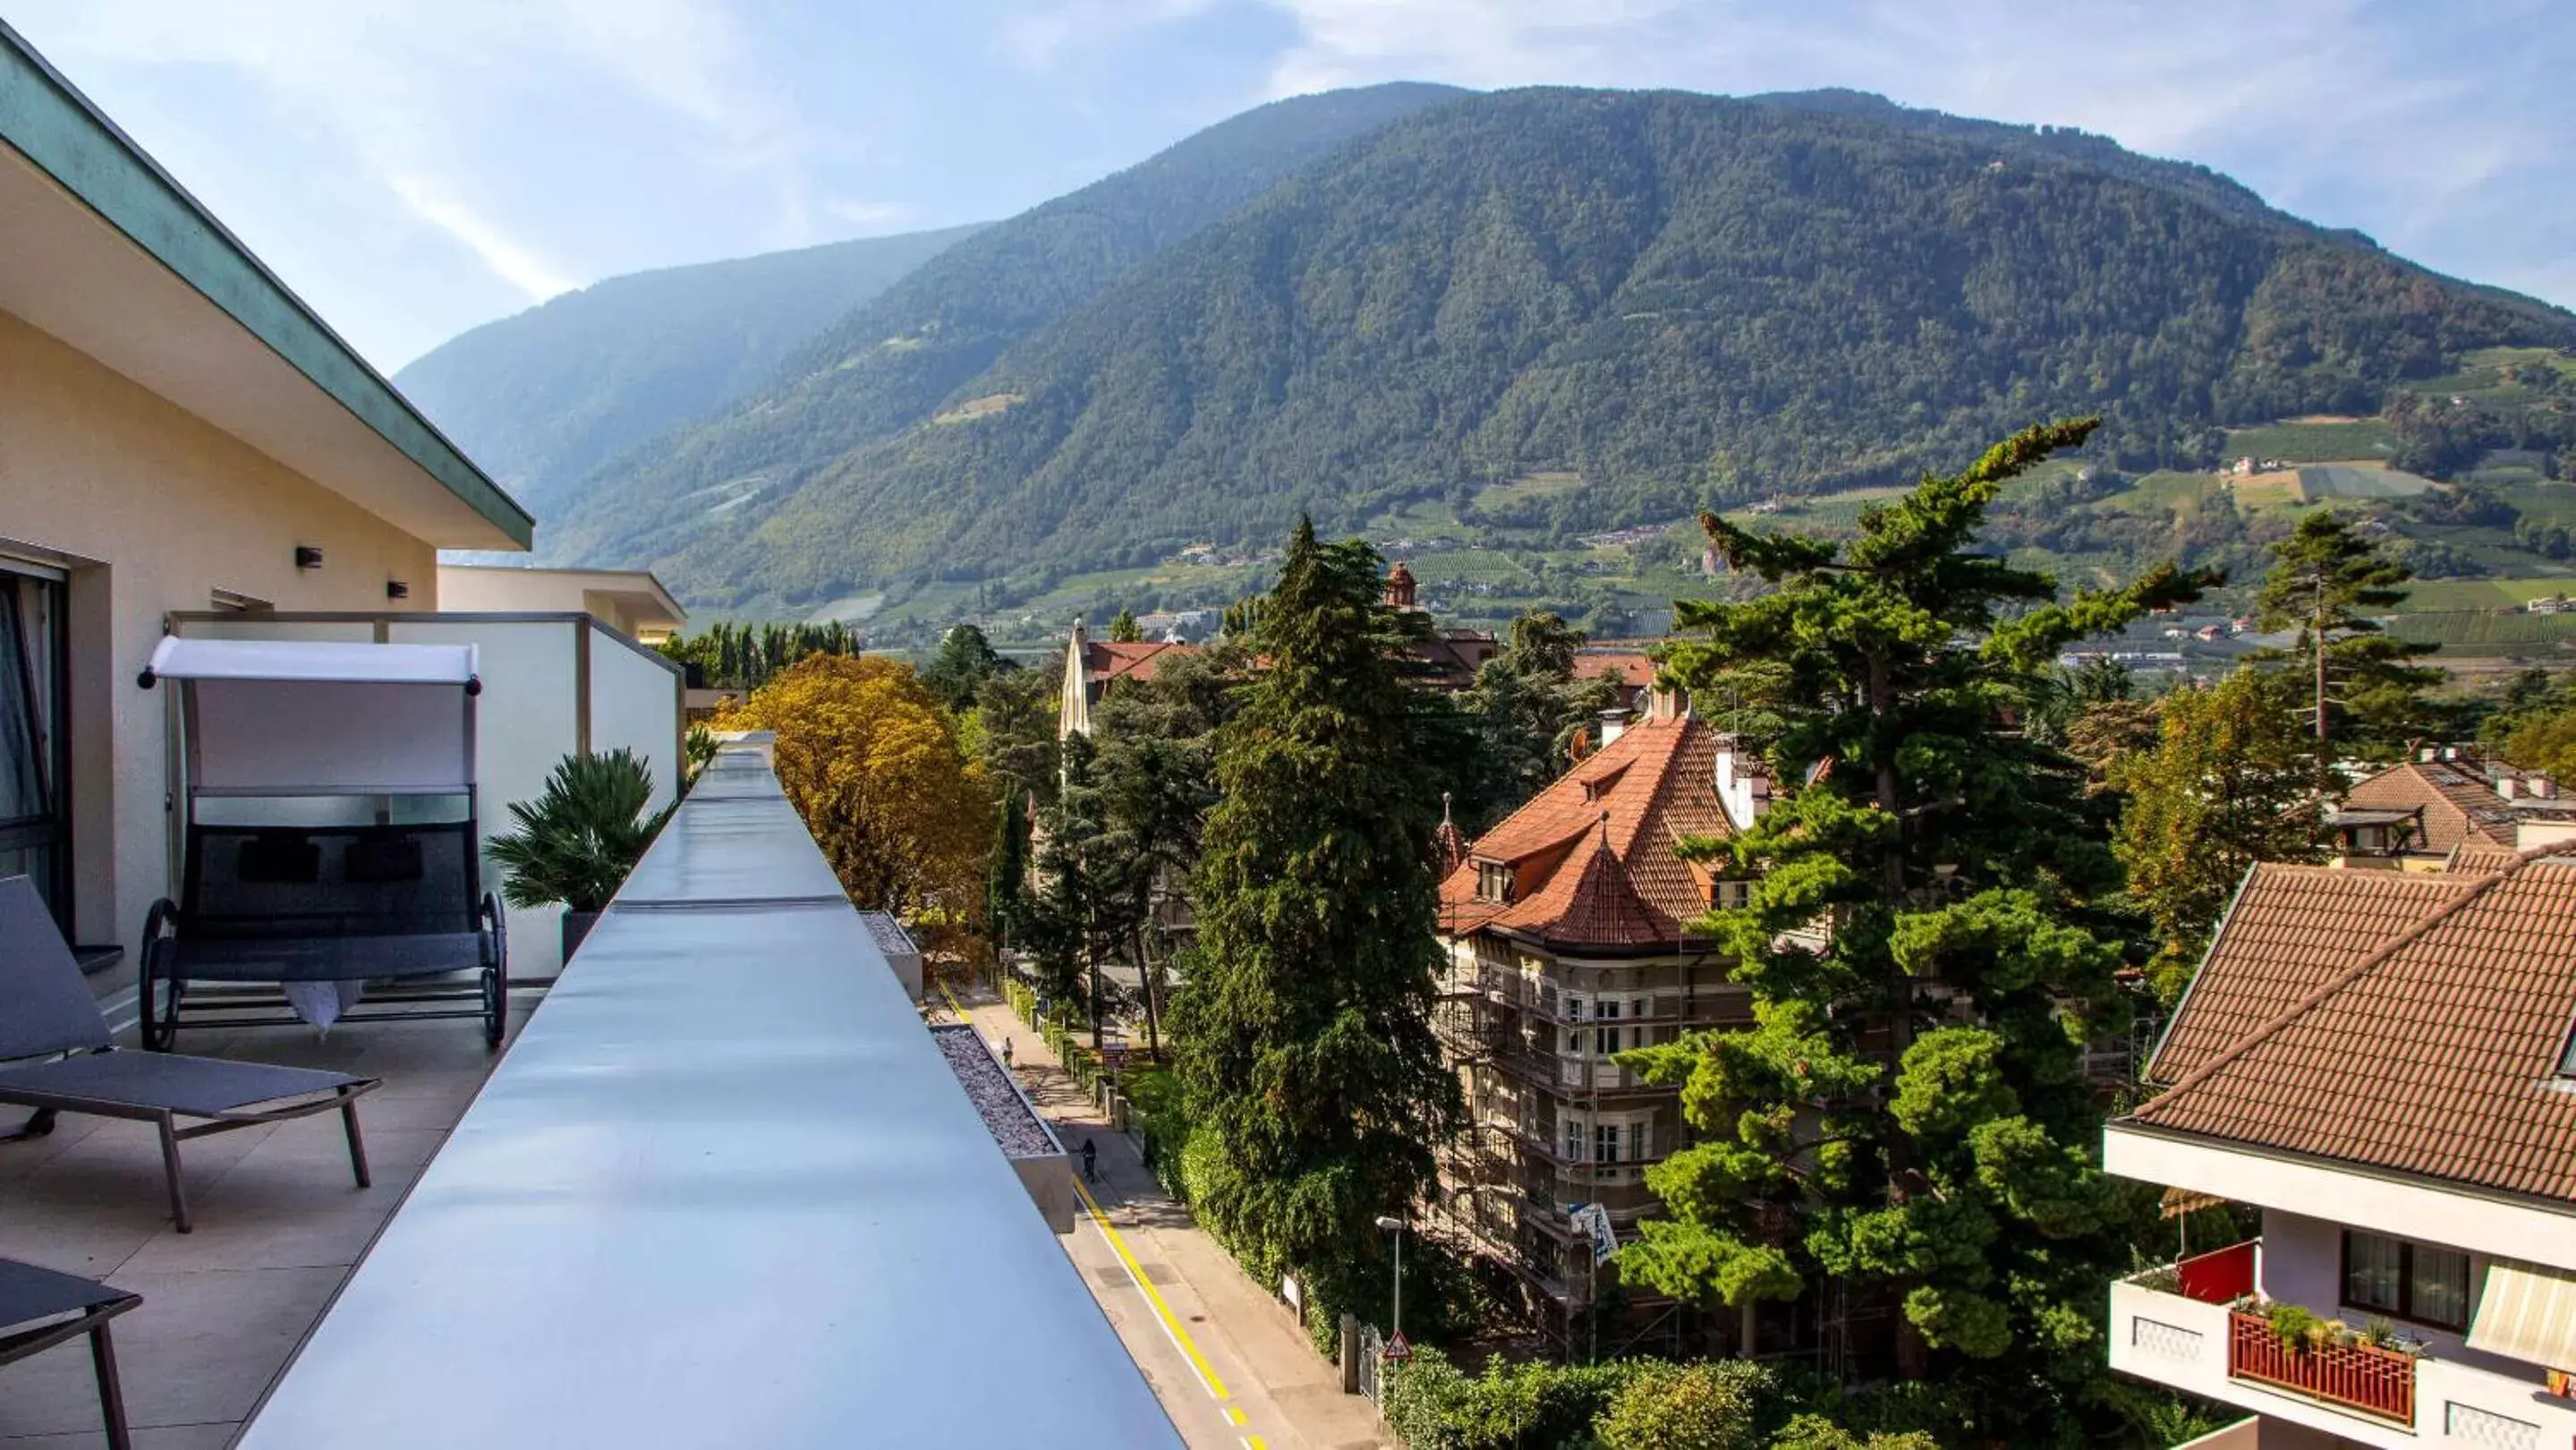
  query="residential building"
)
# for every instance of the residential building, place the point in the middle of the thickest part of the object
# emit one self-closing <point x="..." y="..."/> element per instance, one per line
<point x="1091" y="666"/>
<point x="182" y="434"/>
<point x="2378" y="1064"/>
<point x="1567" y="927"/>
<point x="1634" y="670"/>
<point x="2413" y="815"/>
<point x="1448" y="657"/>
<point x="630" y="601"/>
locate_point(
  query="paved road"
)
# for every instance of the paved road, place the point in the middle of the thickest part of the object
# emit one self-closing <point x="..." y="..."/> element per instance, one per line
<point x="1228" y="1360"/>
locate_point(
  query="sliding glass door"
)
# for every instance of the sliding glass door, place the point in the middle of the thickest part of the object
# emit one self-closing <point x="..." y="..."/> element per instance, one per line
<point x="35" y="825"/>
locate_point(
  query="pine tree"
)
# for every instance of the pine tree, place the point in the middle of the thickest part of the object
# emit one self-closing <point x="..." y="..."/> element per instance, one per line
<point x="1531" y="711"/>
<point x="1303" y="1031"/>
<point x="964" y="662"/>
<point x="2325" y="573"/>
<point x="1124" y="629"/>
<point x="1933" y="1154"/>
<point x="1073" y="920"/>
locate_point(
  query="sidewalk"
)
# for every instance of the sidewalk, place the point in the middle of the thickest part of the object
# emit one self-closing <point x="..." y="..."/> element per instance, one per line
<point x="1229" y="1360"/>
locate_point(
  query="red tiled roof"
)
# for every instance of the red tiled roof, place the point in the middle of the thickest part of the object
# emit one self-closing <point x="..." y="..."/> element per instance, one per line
<point x="2404" y="1020"/>
<point x="1105" y="660"/>
<point x="1579" y="885"/>
<point x="1635" y="671"/>
<point x="2458" y="804"/>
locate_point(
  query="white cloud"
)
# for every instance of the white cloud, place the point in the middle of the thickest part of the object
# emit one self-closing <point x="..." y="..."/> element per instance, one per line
<point x="508" y="259"/>
<point x="1039" y="39"/>
<point x="869" y="213"/>
<point x="402" y="88"/>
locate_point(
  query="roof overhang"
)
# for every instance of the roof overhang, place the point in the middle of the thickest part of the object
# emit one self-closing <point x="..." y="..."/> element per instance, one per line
<point x="2359" y="1195"/>
<point x="647" y="604"/>
<point x="101" y="249"/>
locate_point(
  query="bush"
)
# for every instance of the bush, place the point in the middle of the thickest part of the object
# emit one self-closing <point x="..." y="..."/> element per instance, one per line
<point x="1432" y="1406"/>
<point x="1713" y="1406"/>
<point x="1815" y="1432"/>
<point x="2293" y="1326"/>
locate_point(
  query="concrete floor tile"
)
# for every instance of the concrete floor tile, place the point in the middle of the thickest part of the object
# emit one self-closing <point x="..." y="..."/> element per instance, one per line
<point x="200" y="1350"/>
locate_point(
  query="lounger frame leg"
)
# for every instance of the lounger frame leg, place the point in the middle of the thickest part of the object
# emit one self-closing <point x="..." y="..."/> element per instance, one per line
<point x="170" y="1167"/>
<point x="111" y="1390"/>
<point x="357" y="1144"/>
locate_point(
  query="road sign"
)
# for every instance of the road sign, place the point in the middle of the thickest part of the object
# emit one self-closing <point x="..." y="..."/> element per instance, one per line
<point x="1397" y="1350"/>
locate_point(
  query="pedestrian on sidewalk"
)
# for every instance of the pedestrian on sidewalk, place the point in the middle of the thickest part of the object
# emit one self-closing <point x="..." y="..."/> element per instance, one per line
<point x="1090" y="1161"/>
<point x="1006" y="1052"/>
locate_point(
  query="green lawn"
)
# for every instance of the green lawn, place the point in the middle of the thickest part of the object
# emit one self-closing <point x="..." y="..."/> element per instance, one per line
<point x="2446" y="595"/>
<point x="1545" y="484"/>
<point x="2314" y="442"/>
<point x="2481" y="632"/>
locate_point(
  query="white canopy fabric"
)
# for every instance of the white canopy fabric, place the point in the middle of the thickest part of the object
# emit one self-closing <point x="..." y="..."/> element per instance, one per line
<point x="313" y="660"/>
<point x="298" y="717"/>
<point x="2527" y="1313"/>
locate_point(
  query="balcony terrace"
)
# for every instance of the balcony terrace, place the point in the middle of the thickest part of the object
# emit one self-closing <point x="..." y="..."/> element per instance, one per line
<point x="721" y="1189"/>
<point x="2192" y="1325"/>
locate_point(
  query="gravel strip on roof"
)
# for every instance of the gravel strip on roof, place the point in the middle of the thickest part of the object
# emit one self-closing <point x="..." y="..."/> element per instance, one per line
<point x="989" y="1087"/>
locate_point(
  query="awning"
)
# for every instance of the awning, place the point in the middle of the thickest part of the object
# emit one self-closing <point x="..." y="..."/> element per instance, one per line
<point x="311" y="661"/>
<point x="272" y="717"/>
<point x="2178" y="1202"/>
<point x="2527" y="1313"/>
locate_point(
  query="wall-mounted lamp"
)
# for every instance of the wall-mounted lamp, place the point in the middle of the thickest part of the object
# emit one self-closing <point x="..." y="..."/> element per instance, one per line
<point x="308" y="556"/>
<point x="396" y="589"/>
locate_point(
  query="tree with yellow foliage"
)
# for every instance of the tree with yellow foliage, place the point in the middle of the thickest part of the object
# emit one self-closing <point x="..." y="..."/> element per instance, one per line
<point x="873" y="764"/>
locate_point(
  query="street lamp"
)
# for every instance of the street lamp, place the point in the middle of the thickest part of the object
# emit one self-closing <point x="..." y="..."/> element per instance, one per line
<point x="1395" y="1226"/>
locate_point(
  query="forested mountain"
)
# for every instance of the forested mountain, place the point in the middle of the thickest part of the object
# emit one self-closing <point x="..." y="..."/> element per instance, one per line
<point x="1682" y="299"/>
<point x="889" y="364"/>
<point x="543" y="398"/>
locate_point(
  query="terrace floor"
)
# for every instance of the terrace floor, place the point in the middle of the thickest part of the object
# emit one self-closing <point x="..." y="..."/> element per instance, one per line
<point x="279" y="1223"/>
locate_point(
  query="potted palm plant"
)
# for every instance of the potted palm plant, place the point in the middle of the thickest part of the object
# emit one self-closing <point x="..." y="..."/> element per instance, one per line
<point x="576" y="842"/>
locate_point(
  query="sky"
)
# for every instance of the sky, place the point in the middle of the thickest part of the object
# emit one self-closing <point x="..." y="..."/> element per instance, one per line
<point x="414" y="169"/>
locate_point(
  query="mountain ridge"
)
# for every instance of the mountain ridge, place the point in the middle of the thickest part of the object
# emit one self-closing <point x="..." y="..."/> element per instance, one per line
<point x="1681" y="298"/>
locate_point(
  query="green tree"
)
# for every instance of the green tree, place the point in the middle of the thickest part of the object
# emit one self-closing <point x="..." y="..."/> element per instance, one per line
<point x="1012" y="730"/>
<point x="964" y="662"/>
<point x="1074" y="920"/>
<point x="2323" y="576"/>
<point x="1006" y="879"/>
<point x="2229" y="781"/>
<point x="1931" y="1149"/>
<point x="1817" y="1432"/>
<point x="1157" y="774"/>
<point x="2546" y="743"/>
<point x="1303" y="1031"/>
<point x="1124" y="629"/>
<point x="1689" y="1407"/>
<point x="1530" y="710"/>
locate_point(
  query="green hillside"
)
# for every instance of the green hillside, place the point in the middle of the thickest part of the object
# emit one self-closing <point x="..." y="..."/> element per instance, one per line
<point x="543" y="398"/>
<point x="1675" y="299"/>
<point x="905" y="357"/>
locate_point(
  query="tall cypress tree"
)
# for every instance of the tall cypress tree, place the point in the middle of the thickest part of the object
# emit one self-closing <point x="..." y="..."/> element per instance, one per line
<point x="1303" y="1031"/>
<point x="1908" y="1113"/>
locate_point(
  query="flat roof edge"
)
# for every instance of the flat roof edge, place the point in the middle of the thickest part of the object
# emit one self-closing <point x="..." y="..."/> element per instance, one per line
<point x="58" y="129"/>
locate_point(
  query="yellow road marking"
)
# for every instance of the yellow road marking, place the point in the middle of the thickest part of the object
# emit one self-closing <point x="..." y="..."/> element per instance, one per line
<point x="952" y="1002"/>
<point x="1255" y="1442"/>
<point x="1234" y="1414"/>
<point x="1171" y="1323"/>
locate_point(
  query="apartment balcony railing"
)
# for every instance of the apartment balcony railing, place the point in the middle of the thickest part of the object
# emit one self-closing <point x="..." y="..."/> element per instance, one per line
<point x="2178" y="1326"/>
<point x="2360" y="1377"/>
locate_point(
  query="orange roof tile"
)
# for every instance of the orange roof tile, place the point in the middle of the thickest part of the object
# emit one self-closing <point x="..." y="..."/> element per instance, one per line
<point x="1655" y="784"/>
<point x="2405" y="1020"/>
<point x="1634" y="670"/>
<point x="1104" y="660"/>
<point x="2458" y="804"/>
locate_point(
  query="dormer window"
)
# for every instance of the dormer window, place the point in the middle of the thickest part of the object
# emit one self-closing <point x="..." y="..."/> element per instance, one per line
<point x="1493" y="881"/>
<point x="2567" y="1056"/>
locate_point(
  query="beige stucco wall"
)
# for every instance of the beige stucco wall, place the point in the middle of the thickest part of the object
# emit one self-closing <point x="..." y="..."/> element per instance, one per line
<point x="534" y="591"/>
<point x="165" y="509"/>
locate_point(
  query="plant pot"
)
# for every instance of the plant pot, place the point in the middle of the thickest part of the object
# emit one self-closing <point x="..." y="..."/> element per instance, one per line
<point x="576" y="925"/>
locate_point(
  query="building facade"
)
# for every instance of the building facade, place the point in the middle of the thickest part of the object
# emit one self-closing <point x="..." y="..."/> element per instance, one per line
<point x="1567" y="928"/>
<point x="2376" y="1067"/>
<point x="178" y="433"/>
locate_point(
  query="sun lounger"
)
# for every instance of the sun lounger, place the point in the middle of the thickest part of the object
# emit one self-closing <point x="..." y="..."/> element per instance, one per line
<point x="48" y="1016"/>
<point x="40" y="1308"/>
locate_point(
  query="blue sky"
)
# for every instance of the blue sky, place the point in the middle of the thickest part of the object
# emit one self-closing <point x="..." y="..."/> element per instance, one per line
<point x="415" y="168"/>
